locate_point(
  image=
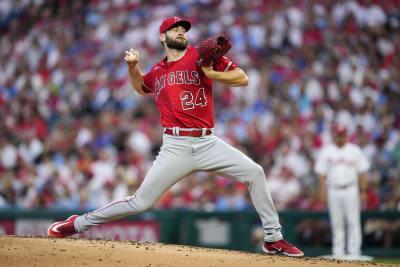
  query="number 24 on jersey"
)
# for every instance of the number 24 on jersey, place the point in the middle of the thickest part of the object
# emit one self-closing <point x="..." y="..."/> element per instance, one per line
<point x="189" y="102"/>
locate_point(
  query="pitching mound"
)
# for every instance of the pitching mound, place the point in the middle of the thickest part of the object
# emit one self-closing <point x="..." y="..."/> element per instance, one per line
<point x="34" y="251"/>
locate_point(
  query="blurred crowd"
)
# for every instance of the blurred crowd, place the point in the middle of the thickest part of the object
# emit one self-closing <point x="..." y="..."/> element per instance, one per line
<point x="74" y="134"/>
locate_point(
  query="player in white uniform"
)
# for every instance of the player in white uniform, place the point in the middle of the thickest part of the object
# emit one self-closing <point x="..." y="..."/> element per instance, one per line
<point x="341" y="167"/>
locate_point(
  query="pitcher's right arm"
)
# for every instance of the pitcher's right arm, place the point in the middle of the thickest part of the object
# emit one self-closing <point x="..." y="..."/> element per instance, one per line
<point x="135" y="74"/>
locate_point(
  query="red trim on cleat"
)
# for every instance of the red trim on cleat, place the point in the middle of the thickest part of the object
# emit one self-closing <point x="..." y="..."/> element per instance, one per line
<point x="63" y="228"/>
<point x="282" y="247"/>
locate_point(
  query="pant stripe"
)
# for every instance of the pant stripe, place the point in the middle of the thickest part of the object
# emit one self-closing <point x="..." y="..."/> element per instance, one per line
<point x="122" y="201"/>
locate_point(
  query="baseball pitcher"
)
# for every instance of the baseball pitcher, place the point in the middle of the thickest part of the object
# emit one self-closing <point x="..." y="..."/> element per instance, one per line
<point x="341" y="167"/>
<point x="182" y="85"/>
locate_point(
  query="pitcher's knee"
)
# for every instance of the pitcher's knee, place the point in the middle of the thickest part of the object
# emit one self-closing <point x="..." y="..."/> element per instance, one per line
<point x="257" y="173"/>
<point x="140" y="204"/>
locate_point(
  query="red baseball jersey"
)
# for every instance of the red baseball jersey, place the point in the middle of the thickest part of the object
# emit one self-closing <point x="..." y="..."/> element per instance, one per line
<point x="183" y="94"/>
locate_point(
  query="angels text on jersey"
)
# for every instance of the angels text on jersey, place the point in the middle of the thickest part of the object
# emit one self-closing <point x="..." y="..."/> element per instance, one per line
<point x="188" y="99"/>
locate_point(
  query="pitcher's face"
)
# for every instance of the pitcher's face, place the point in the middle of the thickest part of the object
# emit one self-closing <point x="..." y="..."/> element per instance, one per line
<point x="175" y="38"/>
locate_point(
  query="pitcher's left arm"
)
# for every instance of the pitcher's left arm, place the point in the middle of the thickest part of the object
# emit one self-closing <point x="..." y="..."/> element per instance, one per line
<point x="235" y="77"/>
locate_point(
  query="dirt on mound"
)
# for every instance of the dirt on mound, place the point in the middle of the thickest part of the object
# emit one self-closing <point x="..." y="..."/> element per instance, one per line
<point x="37" y="251"/>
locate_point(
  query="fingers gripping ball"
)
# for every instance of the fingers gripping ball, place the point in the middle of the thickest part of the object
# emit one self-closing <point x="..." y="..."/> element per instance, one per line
<point x="130" y="56"/>
<point x="212" y="49"/>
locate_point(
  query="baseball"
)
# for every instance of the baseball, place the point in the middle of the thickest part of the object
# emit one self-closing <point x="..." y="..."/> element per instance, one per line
<point x="130" y="56"/>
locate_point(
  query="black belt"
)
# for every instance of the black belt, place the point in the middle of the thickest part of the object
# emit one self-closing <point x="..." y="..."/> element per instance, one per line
<point x="345" y="186"/>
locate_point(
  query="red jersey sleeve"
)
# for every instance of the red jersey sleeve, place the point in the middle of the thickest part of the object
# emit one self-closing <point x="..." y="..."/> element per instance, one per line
<point x="147" y="81"/>
<point x="224" y="64"/>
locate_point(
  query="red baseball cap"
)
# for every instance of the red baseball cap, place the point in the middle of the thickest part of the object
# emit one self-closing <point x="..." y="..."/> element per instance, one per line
<point x="339" y="129"/>
<point x="173" y="21"/>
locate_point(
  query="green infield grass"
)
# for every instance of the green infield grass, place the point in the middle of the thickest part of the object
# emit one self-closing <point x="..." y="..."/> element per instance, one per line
<point x="396" y="261"/>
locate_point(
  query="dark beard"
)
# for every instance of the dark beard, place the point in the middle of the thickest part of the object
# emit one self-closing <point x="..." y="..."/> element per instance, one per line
<point x="175" y="44"/>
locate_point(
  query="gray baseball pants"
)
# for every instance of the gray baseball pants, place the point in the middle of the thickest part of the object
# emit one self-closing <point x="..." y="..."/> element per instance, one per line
<point x="180" y="156"/>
